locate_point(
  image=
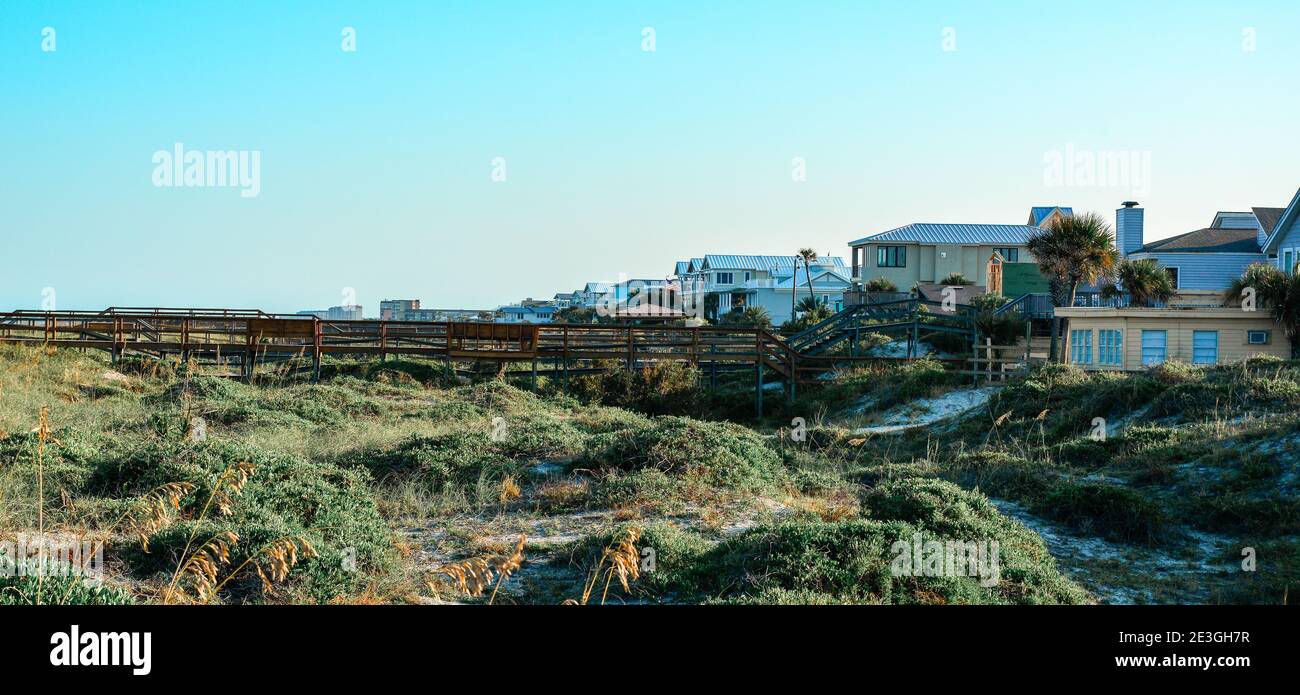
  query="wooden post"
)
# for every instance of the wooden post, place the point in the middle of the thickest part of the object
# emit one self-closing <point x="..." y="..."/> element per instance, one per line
<point x="565" y="352"/>
<point x="914" y="345"/>
<point x="316" y="342"/>
<point x="631" y="354"/>
<point x="988" y="347"/>
<point x="1056" y="328"/>
<point x="534" y="377"/>
<point x="250" y="351"/>
<point x="383" y="341"/>
<point x="713" y="362"/>
<point x="794" y="374"/>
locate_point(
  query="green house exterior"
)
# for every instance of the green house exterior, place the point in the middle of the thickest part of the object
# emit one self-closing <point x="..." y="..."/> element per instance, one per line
<point x="1023" y="278"/>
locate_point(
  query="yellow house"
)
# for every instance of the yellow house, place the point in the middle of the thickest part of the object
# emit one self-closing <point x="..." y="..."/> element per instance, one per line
<point x="927" y="253"/>
<point x="1131" y="338"/>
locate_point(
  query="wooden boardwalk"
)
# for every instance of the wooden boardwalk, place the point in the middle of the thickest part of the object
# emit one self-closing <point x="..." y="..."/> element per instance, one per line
<point x="247" y="337"/>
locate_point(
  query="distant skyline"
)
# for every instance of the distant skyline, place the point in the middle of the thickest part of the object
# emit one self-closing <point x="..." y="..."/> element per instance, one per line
<point x="471" y="155"/>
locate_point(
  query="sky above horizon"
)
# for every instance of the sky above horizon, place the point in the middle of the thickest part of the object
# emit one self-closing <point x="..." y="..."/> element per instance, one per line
<point x="472" y="154"/>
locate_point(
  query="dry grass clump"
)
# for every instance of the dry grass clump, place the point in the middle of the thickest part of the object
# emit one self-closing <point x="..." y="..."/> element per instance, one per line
<point x="561" y="494"/>
<point x="159" y="510"/>
<point x="620" y="559"/>
<point x="471" y="577"/>
<point x="509" y="490"/>
<point x="200" y="569"/>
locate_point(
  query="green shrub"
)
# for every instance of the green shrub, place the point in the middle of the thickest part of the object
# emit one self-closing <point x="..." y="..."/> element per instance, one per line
<point x="1111" y="511"/>
<point x="332" y="507"/>
<point x="65" y="590"/>
<point x="719" y="454"/>
<point x="453" y="460"/>
<point x="663" y="388"/>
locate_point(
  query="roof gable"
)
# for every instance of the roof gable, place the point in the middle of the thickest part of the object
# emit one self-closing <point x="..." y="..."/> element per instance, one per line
<point x="1268" y="217"/>
<point x="1284" y="222"/>
<point x="1039" y="214"/>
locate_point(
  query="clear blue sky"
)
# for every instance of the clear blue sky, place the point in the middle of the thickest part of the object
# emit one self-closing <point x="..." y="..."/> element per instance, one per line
<point x="376" y="164"/>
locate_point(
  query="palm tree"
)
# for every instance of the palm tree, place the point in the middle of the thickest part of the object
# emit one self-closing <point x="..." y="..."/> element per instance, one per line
<point x="808" y="256"/>
<point x="808" y="304"/>
<point x="1075" y="249"/>
<point x="751" y="317"/>
<point x="1276" y="290"/>
<point x="1144" y="281"/>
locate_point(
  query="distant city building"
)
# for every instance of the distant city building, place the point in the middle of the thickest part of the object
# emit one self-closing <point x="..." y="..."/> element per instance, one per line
<point x="397" y="309"/>
<point x="348" y="312"/>
<point x="410" y="310"/>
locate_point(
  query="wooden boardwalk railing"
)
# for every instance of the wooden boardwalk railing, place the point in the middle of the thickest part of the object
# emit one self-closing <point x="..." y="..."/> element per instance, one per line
<point x="247" y="337"/>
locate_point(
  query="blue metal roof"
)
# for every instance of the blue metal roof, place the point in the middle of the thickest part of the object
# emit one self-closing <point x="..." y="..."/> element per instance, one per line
<point x="970" y="234"/>
<point x="732" y="262"/>
<point x="820" y="275"/>
<point x="681" y="267"/>
<point x="1040" y="213"/>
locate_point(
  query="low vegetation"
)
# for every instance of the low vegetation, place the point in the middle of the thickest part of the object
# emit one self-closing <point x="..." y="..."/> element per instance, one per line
<point x="398" y="482"/>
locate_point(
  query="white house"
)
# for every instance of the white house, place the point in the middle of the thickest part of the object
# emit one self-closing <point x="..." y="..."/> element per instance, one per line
<point x="515" y="313"/>
<point x="591" y="294"/>
<point x="724" y="282"/>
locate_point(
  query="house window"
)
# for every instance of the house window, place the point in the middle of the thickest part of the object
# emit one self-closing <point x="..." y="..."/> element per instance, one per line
<point x="1257" y="337"/>
<point x="723" y="278"/>
<point x="1205" y="347"/>
<point x="826" y="300"/>
<point x="1154" y="345"/>
<point x="1288" y="262"/>
<point x="747" y="276"/>
<point x="891" y="257"/>
<point x="1110" y="347"/>
<point x="1081" y="347"/>
<point x="1009" y="255"/>
<point x="1173" y="275"/>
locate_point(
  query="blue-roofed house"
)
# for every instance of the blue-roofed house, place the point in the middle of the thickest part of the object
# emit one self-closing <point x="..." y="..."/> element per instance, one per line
<point x="736" y="282"/>
<point x="591" y="294"/>
<point x="518" y="313"/>
<point x="927" y="253"/>
<point x="1042" y="215"/>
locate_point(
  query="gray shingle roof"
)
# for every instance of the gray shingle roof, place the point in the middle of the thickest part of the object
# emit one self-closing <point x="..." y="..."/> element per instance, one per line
<point x="1210" y="240"/>
<point x="1268" y="217"/>
<point x="926" y="233"/>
